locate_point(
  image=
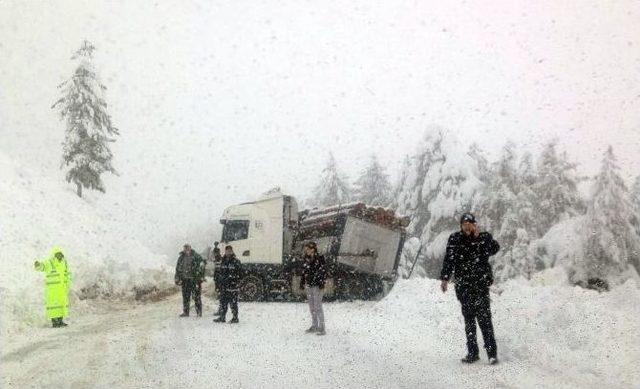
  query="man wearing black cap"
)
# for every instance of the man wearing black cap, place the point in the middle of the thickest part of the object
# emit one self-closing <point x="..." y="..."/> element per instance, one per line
<point x="467" y="258"/>
<point x="229" y="276"/>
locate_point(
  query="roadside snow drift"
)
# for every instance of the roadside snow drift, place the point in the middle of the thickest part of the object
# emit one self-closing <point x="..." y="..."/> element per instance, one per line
<point x="549" y="335"/>
<point x="37" y="213"/>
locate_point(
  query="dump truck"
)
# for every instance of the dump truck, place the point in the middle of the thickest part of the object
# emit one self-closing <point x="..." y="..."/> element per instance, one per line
<point x="361" y="244"/>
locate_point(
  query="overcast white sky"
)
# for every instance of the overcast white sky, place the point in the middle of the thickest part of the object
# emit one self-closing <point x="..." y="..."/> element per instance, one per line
<point x="256" y="93"/>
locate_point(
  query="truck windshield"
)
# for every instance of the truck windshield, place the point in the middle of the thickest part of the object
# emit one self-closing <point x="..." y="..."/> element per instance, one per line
<point x="235" y="230"/>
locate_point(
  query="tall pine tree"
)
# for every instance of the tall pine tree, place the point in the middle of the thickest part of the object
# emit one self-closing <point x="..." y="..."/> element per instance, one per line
<point x="482" y="163"/>
<point x="333" y="189"/>
<point x="89" y="130"/>
<point x="635" y="202"/>
<point x="508" y="210"/>
<point x="373" y="187"/>
<point x="499" y="195"/>
<point x="635" y="195"/>
<point x="612" y="244"/>
<point x="556" y="188"/>
<point x="437" y="184"/>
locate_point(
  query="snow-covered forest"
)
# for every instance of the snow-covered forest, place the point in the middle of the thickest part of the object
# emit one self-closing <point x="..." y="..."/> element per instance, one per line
<point x="127" y="129"/>
<point x="531" y="203"/>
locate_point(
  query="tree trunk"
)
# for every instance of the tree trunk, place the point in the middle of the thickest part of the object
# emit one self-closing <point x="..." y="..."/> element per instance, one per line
<point x="79" y="189"/>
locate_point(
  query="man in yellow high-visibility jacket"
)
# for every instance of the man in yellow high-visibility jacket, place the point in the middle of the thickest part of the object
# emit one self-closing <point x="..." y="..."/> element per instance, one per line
<point x="57" y="286"/>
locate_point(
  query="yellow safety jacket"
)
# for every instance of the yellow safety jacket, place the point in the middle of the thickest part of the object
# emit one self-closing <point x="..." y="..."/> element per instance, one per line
<point x="57" y="284"/>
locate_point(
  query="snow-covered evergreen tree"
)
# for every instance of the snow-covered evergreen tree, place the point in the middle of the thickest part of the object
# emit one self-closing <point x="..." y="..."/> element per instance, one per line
<point x="516" y="261"/>
<point x="526" y="199"/>
<point x="635" y="203"/>
<point x="555" y="189"/>
<point x="437" y="184"/>
<point x="333" y="189"/>
<point x="373" y="187"/>
<point x="482" y="163"/>
<point x="496" y="209"/>
<point x="612" y="244"/>
<point x="89" y="129"/>
<point x="635" y="194"/>
<point x="508" y="210"/>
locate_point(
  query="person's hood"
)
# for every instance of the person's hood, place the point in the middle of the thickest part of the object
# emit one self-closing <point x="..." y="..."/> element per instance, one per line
<point x="55" y="250"/>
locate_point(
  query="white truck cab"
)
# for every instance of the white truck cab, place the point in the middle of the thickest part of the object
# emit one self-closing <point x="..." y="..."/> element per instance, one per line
<point x="261" y="231"/>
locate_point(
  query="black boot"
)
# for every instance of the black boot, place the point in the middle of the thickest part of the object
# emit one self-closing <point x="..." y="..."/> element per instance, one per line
<point x="469" y="358"/>
<point x="234" y="320"/>
<point x="184" y="314"/>
<point x="54" y="323"/>
<point x="61" y="323"/>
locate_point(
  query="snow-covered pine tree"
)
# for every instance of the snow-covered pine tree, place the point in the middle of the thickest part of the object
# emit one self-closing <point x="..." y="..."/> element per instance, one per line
<point x="89" y="129"/>
<point x="517" y="260"/>
<point x="556" y="189"/>
<point x="612" y="243"/>
<point x="482" y="163"/>
<point x="635" y="203"/>
<point x="635" y="194"/>
<point x="498" y="213"/>
<point x="438" y="184"/>
<point x="526" y="199"/>
<point x="373" y="187"/>
<point x="499" y="195"/>
<point x="334" y="188"/>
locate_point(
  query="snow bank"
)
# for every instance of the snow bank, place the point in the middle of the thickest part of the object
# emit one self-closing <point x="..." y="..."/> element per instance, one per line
<point x="544" y="327"/>
<point x="38" y="212"/>
<point x="564" y="246"/>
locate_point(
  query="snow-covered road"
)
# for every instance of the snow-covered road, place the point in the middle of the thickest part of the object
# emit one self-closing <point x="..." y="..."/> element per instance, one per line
<point x="386" y="344"/>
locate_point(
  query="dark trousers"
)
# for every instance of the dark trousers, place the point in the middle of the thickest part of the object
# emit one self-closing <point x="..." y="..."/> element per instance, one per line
<point x="191" y="288"/>
<point x="229" y="297"/>
<point x="219" y="303"/>
<point x="476" y="306"/>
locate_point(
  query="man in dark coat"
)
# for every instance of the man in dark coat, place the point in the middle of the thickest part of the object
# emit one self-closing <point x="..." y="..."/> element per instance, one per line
<point x="313" y="279"/>
<point x="230" y="273"/>
<point x="217" y="260"/>
<point x="467" y="258"/>
<point x="190" y="276"/>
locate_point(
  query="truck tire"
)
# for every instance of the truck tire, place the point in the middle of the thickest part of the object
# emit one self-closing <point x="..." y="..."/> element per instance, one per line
<point x="354" y="288"/>
<point x="252" y="288"/>
<point x="330" y="292"/>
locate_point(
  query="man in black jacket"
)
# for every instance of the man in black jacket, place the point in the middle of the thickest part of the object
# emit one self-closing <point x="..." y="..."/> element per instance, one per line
<point x="467" y="258"/>
<point x="217" y="259"/>
<point x="230" y="273"/>
<point x="190" y="276"/>
<point x="313" y="280"/>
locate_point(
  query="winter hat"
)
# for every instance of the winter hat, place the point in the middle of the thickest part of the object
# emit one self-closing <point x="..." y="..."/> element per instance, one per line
<point x="467" y="217"/>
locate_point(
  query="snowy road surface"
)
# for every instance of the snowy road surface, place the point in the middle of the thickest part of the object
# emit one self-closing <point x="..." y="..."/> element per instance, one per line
<point x="395" y="343"/>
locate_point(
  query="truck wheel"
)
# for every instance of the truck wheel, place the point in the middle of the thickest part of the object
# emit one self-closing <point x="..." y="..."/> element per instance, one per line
<point x="252" y="288"/>
<point x="355" y="288"/>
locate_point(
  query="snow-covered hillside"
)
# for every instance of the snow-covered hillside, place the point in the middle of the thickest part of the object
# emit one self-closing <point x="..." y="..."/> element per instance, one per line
<point x="549" y="334"/>
<point x="105" y="257"/>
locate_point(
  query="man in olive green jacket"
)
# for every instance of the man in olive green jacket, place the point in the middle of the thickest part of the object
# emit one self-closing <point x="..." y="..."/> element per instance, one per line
<point x="190" y="276"/>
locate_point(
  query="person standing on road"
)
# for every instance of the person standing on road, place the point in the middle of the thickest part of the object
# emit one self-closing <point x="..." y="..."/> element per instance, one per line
<point x="313" y="279"/>
<point x="230" y="273"/>
<point x="217" y="260"/>
<point x="190" y="276"/>
<point x="467" y="259"/>
<point x="57" y="286"/>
